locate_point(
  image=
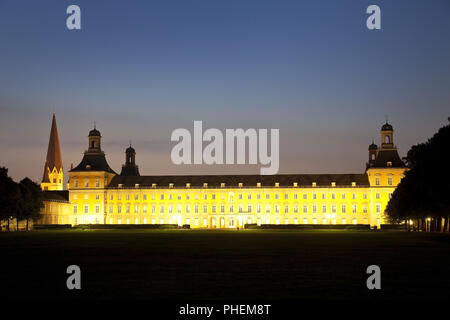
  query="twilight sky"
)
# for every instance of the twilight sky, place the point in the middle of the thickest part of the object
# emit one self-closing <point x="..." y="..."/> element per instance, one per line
<point x="141" y="69"/>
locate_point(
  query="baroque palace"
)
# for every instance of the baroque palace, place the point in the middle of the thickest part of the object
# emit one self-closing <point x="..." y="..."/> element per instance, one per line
<point x="96" y="194"/>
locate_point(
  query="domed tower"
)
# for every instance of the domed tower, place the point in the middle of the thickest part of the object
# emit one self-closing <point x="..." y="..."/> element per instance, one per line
<point x="387" y="136"/>
<point x="130" y="168"/>
<point x="94" y="160"/>
<point x="373" y="148"/>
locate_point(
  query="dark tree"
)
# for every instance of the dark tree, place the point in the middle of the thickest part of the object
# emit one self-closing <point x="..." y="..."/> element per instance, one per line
<point x="423" y="194"/>
<point x="31" y="201"/>
<point x="9" y="196"/>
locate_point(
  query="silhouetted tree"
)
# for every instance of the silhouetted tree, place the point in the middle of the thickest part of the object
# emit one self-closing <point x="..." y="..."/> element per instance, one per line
<point x="423" y="192"/>
<point x="30" y="203"/>
<point x="9" y="196"/>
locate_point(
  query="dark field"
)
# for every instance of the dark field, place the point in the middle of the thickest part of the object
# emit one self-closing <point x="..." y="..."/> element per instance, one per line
<point x="258" y="264"/>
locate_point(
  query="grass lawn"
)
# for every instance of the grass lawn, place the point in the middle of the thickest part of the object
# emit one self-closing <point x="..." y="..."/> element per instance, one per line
<point x="212" y="264"/>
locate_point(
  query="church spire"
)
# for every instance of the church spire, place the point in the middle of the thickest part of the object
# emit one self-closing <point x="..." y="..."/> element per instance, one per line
<point x="53" y="170"/>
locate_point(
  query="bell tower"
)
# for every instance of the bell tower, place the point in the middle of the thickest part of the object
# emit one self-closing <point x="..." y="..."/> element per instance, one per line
<point x="387" y="136"/>
<point x="53" y="178"/>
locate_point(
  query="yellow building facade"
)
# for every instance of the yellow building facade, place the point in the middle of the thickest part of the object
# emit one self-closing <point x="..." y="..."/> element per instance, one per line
<point x="98" y="195"/>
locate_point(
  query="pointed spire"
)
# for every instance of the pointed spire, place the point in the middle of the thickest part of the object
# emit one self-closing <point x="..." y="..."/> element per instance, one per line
<point x="54" y="159"/>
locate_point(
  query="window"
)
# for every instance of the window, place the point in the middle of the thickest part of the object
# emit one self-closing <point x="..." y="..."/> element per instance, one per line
<point x="86" y="183"/>
<point x="354" y="208"/>
<point x="97" y="182"/>
<point x="188" y="208"/>
<point x="249" y="196"/>
<point x="205" y="208"/>
<point x="136" y="208"/>
<point x="286" y="221"/>
<point x="267" y="208"/>
<point x="97" y="197"/>
<point x="286" y="209"/>
<point x="377" y="181"/>
<point x="305" y="208"/>
<point x="354" y="196"/>
<point x="222" y="209"/>
<point x="111" y="208"/>
<point x="144" y="209"/>
<point x="343" y="196"/>
<point x="377" y="196"/>
<point x="364" y="208"/>
<point x="333" y="208"/>
<point x="127" y="197"/>
<point x="162" y="196"/>
<point x="161" y="208"/>
<point x="344" y="208"/>
<point x="277" y="208"/>
<point x="119" y="208"/>
<point x="145" y="197"/>
<point x="378" y="208"/>
<point x="258" y="208"/>
<point x="364" y="196"/>
<point x="390" y="180"/>
<point x="324" y="208"/>
<point x="196" y="208"/>
<point x="314" y="208"/>
<point x="295" y="196"/>
<point x="295" y="208"/>
<point x="267" y="196"/>
<point x="249" y="208"/>
<point x="305" y="196"/>
<point x="75" y="209"/>
<point x="286" y="196"/>
<point x="170" y="209"/>
<point x="111" y="197"/>
<point x="153" y="209"/>
<point x="75" y="183"/>
<point x="314" y="196"/>
<point x="333" y="196"/>
<point x="136" y="197"/>
<point x="231" y="208"/>
<point x="213" y="209"/>
<point x="305" y="221"/>
<point x="127" y="208"/>
<point x="86" y="208"/>
<point x="324" y="196"/>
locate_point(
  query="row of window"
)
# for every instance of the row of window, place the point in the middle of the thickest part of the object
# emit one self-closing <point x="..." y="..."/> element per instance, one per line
<point x="231" y="196"/>
<point x="241" y="208"/>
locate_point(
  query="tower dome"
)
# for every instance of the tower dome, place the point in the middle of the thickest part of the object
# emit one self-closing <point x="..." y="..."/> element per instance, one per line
<point x="386" y="127"/>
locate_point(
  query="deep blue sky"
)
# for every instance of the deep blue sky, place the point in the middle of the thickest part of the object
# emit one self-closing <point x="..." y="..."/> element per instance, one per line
<point x="144" y="68"/>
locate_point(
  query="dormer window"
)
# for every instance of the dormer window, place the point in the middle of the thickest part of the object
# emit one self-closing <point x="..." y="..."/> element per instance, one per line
<point x="314" y="184"/>
<point x="153" y="185"/>
<point x="333" y="184"/>
<point x="277" y="184"/>
<point x="389" y="164"/>
<point x="240" y="184"/>
<point x="258" y="184"/>
<point x="120" y="185"/>
<point x="188" y="185"/>
<point x="222" y="184"/>
<point x="170" y="185"/>
<point x="205" y="185"/>
<point x="353" y="184"/>
<point x="136" y="185"/>
<point x="295" y="184"/>
<point x="88" y="166"/>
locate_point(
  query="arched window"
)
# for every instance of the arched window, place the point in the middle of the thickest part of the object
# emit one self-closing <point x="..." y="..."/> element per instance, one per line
<point x="93" y="144"/>
<point x="387" y="139"/>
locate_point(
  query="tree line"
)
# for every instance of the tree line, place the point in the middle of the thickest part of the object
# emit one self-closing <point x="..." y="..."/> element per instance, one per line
<point x="19" y="201"/>
<point x="422" y="199"/>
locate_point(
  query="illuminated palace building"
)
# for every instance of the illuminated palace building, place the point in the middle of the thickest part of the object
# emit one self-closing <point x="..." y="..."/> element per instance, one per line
<point x="98" y="195"/>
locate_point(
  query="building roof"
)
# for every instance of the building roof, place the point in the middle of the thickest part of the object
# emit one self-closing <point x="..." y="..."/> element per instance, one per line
<point x="385" y="156"/>
<point x="54" y="158"/>
<point x="284" y="180"/>
<point x="386" y="127"/>
<point x="129" y="170"/>
<point x="93" y="162"/>
<point x="94" y="132"/>
<point x="62" y="196"/>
